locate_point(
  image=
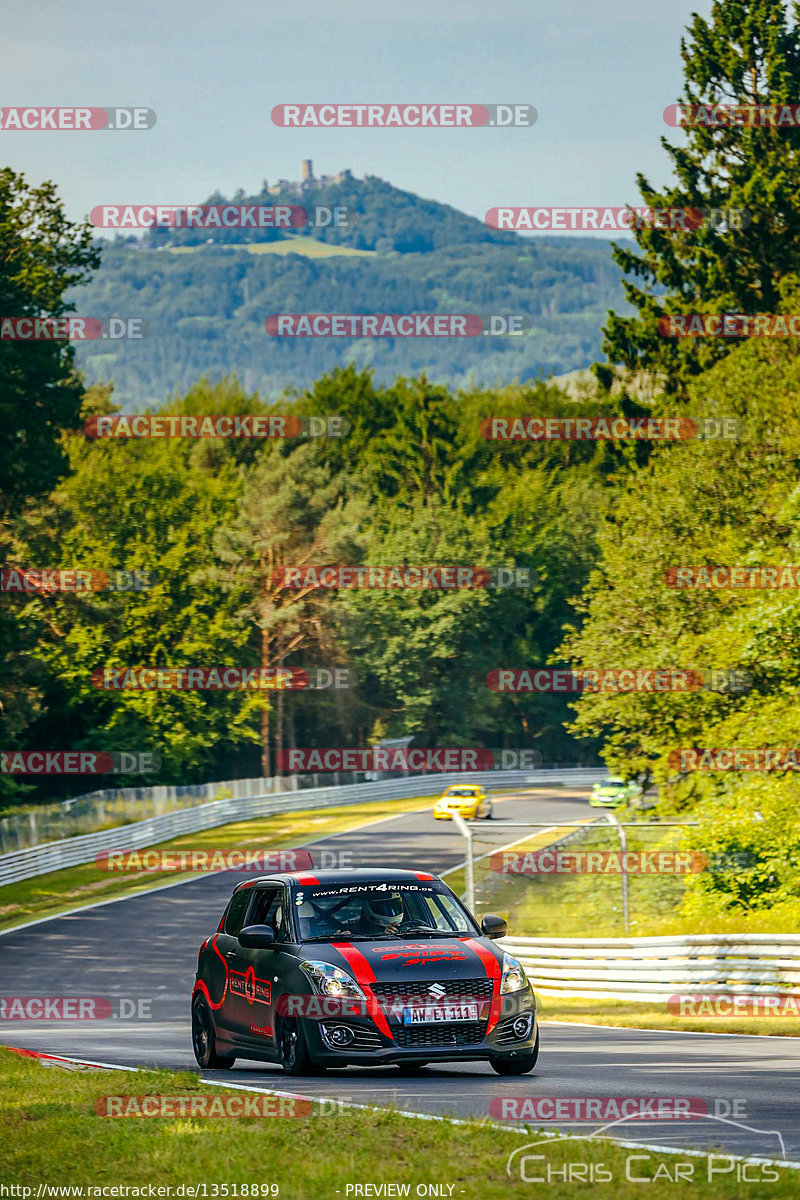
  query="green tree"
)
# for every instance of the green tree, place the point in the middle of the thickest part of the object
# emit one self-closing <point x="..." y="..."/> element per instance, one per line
<point x="746" y="52"/>
<point x="289" y="515"/>
<point x="709" y="503"/>
<point x="155" y="506"/>
<point x="42" y="255"/>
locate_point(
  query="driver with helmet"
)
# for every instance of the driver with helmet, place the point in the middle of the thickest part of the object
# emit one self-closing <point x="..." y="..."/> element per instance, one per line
<point x="381" y="914"/>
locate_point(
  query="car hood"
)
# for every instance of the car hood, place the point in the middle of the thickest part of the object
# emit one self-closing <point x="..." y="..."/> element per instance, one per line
<point x="394" y="962"/>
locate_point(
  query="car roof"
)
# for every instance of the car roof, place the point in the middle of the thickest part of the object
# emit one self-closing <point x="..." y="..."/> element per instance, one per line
<point x="363" y="875"/>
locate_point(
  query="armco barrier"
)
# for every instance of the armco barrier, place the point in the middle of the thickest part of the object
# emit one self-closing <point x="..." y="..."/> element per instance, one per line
<point x="655" y="968"/>
<point x="71" y="852"/>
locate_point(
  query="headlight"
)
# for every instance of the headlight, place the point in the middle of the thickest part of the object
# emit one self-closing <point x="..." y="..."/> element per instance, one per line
<point x="330" y="980"/>
<point x="514" y="977"/>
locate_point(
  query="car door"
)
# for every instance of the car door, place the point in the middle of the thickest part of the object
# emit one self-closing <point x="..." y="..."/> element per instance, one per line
<point x="226" y="944"/>
<point x="253" y="977"/>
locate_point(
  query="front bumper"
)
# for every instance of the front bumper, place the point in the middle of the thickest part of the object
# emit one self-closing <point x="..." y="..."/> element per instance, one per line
<point x="450" y="1042"/>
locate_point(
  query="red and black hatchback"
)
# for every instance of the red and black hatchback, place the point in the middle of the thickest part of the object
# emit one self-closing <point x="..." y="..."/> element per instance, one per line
<point x="360" y="967"/>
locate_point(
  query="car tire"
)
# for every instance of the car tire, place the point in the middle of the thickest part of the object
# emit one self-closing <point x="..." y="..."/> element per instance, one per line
<point x="292" y="1049"/>
<point x="204" y="1041"/>
<point x="520" y="1064"/>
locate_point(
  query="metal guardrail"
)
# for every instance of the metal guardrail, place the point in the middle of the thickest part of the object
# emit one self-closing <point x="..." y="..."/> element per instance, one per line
<point x="72" y="852"/>
<point x="655" y="968"/>
<point x="103" y="809"/>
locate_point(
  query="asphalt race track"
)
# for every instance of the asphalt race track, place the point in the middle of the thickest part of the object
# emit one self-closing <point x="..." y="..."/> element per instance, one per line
<point x="145" y="948"/>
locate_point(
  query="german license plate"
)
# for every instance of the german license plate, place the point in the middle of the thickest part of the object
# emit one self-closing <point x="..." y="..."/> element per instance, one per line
<point x="435" y="1014"/>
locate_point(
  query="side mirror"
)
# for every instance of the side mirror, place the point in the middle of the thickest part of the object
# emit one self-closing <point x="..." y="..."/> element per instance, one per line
<point x="257" y="937"/>
<point x="493" y="926"/>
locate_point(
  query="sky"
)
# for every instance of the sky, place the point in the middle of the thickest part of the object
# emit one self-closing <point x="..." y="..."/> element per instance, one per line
<point x="599" y="74"/>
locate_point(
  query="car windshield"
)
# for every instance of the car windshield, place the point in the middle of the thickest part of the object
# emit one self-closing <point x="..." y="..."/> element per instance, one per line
<point x="469" y="793"/>
<point x="613" y="783"/>
<point x="375" y="911"/>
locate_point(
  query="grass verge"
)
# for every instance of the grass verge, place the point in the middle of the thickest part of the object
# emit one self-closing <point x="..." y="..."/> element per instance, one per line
<point x="590" y="905"/>
<point x="634" y="1015"/>
<point x="51" y="1135"/>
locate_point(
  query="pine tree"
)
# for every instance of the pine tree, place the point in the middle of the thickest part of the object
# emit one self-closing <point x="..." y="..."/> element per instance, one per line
<point x="747" y="53"/>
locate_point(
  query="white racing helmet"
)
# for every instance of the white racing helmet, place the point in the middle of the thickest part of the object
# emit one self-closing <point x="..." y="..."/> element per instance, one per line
<point x="383" y="910"/>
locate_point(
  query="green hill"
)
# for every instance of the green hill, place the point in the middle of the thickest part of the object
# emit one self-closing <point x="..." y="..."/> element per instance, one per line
<point x="205" y="309"/>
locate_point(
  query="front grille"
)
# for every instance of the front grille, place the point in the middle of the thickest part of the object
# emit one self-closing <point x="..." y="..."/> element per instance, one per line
<point x="365" y="1038"/>
<point x="419" y="989"/>
<point x="467" y="1033"/>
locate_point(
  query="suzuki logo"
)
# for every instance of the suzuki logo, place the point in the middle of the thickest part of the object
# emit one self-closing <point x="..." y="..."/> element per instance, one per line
<point x="437" y="991"/>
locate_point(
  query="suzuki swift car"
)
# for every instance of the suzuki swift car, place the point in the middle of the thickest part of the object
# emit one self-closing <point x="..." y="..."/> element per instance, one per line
<point x="363" y="967"/>
<point x="469" y="800"/>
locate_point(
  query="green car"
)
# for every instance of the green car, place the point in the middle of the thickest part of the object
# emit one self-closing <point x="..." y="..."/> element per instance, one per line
<point x="612" y="793"/>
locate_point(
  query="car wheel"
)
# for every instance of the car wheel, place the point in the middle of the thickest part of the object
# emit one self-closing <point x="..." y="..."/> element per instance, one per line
<point x="520" y="1064"/>
<point x="204" y="1040"/>
<point x="292" y="1048"/>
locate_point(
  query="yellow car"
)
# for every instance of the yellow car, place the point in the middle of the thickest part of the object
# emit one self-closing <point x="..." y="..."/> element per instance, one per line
<point x="469" y="800"/>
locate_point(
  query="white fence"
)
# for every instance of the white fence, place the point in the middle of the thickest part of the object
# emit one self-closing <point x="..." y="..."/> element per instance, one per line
<point x="655" y="968"/>
<point x="71" y="852"/>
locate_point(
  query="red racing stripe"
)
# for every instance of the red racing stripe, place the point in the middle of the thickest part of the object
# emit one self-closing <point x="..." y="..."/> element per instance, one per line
<point x="200" y="985"/>
<point x="364" y="976"/>
<point x="423" y="875"/>
<point x="306" y="880"/>
<point x="492" y="967"/>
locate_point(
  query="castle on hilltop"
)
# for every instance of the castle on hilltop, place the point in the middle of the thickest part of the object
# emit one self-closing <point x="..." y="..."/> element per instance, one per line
<point x="308" y="181"/>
